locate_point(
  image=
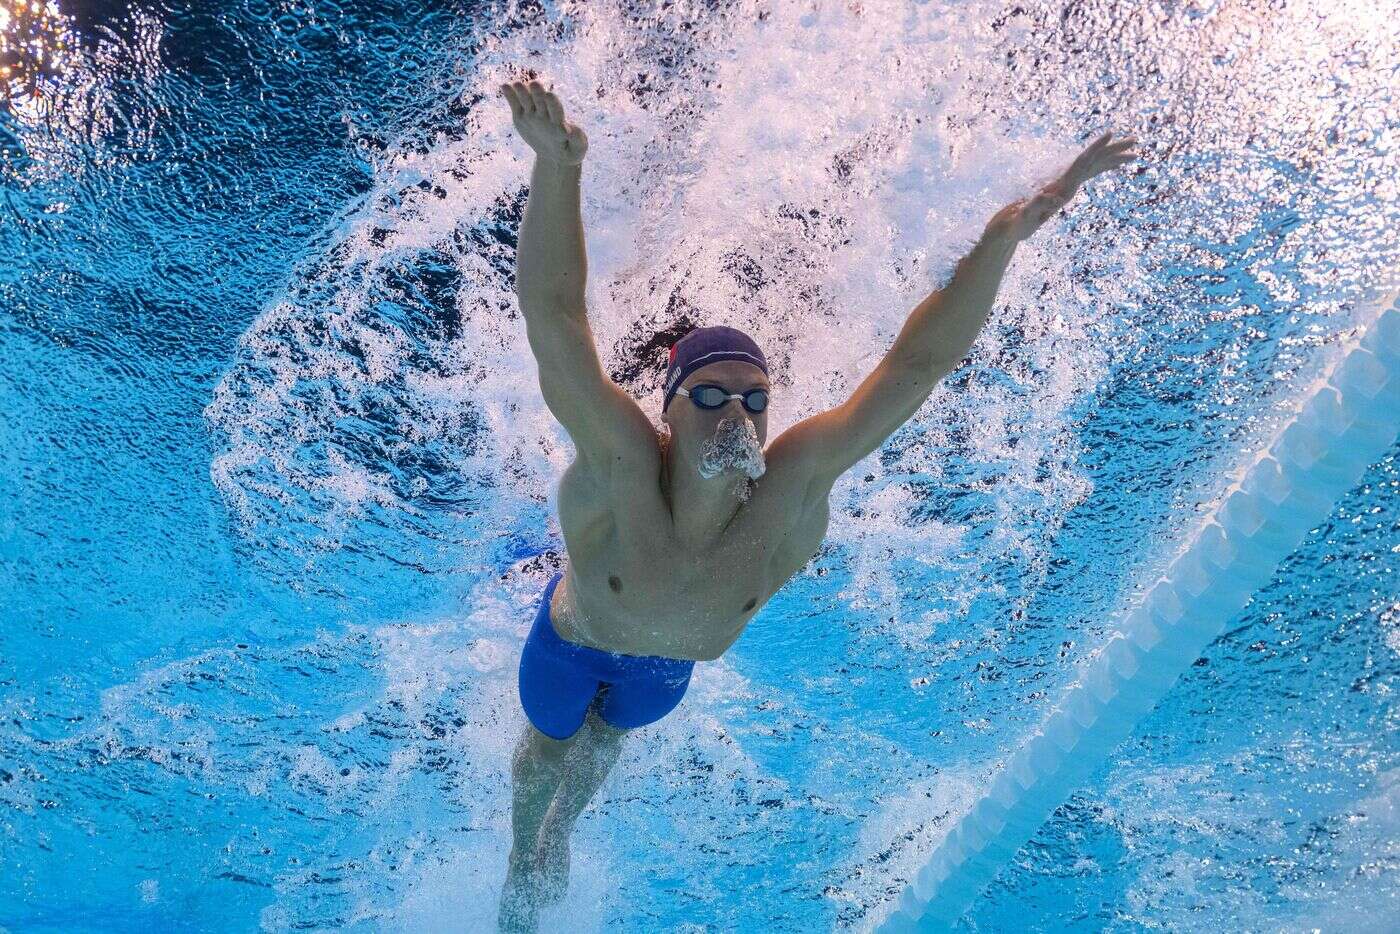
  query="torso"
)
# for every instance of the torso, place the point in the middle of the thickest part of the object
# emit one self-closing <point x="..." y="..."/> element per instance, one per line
<point x="630" y="587"/>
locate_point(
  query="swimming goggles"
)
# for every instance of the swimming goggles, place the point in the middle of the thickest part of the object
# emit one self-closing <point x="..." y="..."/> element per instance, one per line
<point x="708" y="396"/>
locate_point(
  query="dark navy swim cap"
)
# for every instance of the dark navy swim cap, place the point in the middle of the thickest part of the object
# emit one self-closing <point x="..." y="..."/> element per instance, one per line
<point x="704" y="346"/>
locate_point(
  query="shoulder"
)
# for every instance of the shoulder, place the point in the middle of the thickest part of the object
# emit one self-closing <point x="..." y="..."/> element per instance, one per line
<point x="794" y="465"/>
<point x="599" y="471"/>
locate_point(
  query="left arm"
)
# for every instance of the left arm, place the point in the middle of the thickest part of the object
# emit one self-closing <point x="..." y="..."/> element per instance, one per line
<point x="939" y="332"/>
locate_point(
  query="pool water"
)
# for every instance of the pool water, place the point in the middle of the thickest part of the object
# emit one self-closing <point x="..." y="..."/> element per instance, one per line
<point x="277" y="485"/>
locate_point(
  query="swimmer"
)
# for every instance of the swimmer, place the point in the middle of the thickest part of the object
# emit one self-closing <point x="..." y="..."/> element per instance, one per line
<point x="676" y="539"/>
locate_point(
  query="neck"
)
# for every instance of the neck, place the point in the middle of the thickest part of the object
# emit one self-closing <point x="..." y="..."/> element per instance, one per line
<point x="701" y="508"/>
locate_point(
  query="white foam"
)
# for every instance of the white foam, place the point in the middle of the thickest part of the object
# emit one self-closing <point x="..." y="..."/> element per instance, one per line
<point x="808" y="176"/>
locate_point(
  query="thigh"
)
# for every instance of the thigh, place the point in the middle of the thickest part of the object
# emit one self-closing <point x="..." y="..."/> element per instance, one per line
<point x="554" y="691"/>
<point x="646" y="696"/>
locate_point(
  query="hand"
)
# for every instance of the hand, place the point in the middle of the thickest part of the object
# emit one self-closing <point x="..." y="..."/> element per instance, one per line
<point x="539" y="118"/>
<point x="1022" y="218"/>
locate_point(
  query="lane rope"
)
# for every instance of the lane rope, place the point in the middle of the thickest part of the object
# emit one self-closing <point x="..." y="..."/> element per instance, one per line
<point x="1348" y="420"/>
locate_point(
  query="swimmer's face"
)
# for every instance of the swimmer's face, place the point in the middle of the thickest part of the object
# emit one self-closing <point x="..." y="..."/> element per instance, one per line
<point x="695" y="428"/>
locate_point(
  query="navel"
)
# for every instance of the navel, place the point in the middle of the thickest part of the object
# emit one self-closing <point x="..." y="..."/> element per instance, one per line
<point x="749" y="606"/>
<point x="615" y="583"/>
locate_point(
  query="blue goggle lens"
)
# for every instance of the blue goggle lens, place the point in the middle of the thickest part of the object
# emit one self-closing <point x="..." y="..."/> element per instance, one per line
<point x="713" y="397"/>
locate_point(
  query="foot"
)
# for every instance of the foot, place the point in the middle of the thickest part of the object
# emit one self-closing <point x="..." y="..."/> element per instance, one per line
<point x="554" y="866"/>
<point x="520" y="899"/>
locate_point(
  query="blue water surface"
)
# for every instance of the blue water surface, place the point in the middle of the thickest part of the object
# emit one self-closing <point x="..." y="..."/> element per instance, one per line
<point x="232" y="698"/>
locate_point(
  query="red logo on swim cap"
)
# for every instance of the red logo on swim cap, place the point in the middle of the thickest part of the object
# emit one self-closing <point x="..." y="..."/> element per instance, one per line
<point x="671" y="358"/>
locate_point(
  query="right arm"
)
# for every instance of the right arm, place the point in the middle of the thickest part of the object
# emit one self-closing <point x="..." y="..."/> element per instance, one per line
<point x="607" y="427"/>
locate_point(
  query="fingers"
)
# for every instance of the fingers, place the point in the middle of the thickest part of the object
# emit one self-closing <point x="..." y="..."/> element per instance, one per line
<point x="537" y="93"/>
<point x="512" y="95"/>
<point x="556" y="109"/>
<point x="1107" y="136"/>
<point x="521" y="100"/>
<point x="1105" y="145"/>
<point x="1121" y="148"/>
<point x="531" y="98"/>
<point x="1102" y="154"/>
<point x="1120" y="152"/>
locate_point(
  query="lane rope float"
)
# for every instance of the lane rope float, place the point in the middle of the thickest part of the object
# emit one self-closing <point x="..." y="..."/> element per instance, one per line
<point x="1348" y="420"/>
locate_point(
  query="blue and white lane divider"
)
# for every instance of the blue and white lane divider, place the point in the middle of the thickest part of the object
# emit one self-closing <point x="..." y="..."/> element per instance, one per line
<point x="1349" y="420"/>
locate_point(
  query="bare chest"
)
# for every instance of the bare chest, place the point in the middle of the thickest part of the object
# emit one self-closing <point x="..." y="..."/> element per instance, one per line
<point x="630" y="587"/>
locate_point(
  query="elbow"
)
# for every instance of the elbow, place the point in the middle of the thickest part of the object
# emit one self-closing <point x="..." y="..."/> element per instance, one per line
<point x="939" y="365"/>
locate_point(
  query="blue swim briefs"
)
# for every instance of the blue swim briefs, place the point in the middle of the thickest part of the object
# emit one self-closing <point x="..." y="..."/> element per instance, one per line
<point x="559" y="679"/>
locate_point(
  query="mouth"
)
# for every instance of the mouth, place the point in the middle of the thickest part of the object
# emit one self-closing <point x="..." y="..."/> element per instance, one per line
<point x="734" y="447"/>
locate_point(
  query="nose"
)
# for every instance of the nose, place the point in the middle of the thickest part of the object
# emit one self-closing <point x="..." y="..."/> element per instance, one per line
<point x="734" y="408"/>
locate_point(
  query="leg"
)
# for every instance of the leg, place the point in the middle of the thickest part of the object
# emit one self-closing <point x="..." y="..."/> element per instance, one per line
<point x="556" y="688"/>
<point x="536" y="772"/>
<point x="537" y="768"/>
<point x="652" y="689"/>
<point x="589" y="767"/>
<point x="592" y="760"/>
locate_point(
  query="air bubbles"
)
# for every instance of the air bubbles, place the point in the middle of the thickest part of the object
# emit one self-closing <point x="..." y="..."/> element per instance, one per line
<point x="735" y="447"/>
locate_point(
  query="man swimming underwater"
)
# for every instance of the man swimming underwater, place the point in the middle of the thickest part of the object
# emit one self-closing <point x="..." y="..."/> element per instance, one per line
<point x="675" y="541"/>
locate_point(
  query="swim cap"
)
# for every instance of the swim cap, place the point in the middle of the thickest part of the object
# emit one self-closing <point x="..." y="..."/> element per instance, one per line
<point x="704" y="346"/>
